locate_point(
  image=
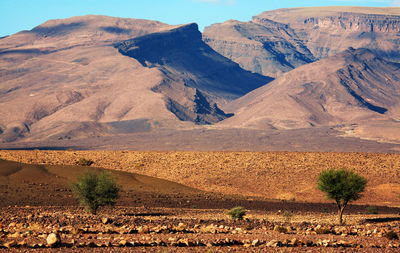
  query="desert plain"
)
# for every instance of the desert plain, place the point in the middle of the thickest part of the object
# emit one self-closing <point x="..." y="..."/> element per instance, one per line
<point x="177" y="201"/>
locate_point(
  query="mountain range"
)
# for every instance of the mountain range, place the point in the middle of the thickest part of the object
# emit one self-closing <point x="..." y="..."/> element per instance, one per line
<point x="287" y="70"/>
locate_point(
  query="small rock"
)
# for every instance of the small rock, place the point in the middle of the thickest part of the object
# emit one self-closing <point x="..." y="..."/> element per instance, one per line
<point x="294" y="242"/>
<point x="15" y="235"/>
<point x="22" y="244"/>
<point x="53" y="240"/>
<point x="9" y="244"/>
<point x="274" y="243"/>
<point x="256" y="242"/>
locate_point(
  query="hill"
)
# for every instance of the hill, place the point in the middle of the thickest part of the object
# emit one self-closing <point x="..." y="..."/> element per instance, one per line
<point x="30" y="184"/>
<point x="80" y="77"/>
<point x="354" y="87"/>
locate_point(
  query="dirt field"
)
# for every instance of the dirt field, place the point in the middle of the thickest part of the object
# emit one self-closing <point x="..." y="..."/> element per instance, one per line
<point x="126" y="229"/>
<point x="156" y="215"/>
<point x="271" y="175"/>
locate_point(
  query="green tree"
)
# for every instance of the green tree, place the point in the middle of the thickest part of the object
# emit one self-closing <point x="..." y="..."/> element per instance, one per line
<point x="94" y="190"/>
<point x="342" y="186"/>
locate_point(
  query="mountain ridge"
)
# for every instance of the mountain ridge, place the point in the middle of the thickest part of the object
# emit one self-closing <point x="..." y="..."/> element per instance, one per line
<point x="105" y="77"/>
<point x="72" y="78"/>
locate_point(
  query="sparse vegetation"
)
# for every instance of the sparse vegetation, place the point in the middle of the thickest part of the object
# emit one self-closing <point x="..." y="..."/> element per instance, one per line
<point x="287" y="215"/>
<point x="342" y="186"/>
<point x="84" y="162"/>
<point x="372" y="210"/>
<point x="237" y="213"/>
<point x="391" y="235"/>
<point x="94" y="190"/>
<point x="281" y="229"/>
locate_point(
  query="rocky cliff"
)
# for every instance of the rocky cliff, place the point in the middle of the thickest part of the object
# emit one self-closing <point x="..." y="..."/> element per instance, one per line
<point x="329" y="30"/>
<point x="195" y="76"/>
<point x="266" y="47"/>
<point x="278" y="41"/>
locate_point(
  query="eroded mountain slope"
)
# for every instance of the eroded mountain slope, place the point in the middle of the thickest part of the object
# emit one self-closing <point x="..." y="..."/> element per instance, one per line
<point x="71" y="79"/>
<point x="353" y="87"/>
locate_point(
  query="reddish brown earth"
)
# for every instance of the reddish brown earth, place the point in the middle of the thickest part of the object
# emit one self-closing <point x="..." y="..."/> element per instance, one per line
<point x="188" y="230"/>
<point x="271" y="175"/>
<point x="155" y="215"/>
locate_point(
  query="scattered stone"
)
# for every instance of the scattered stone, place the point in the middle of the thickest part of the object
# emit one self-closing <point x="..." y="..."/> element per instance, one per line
<point x="274" y="243"/>
<point x="256" y="242"/>
<point x="53" y="240"/>
<point x="10" y="244"/>
<point x="15" y="235"/>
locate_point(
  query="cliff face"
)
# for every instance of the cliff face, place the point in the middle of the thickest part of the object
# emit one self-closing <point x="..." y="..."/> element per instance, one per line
<point x="181" y="50"/>
<point x="265" y="47"/>
<point x="330" y="30"/>
<point x="278" y="41"/>
<point x="195" y="76"/>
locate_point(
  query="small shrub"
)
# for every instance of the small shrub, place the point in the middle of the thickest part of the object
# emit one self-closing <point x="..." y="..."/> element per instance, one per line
<point x="237" y="213"/>
<point x="281" y="229"/>
<point x="84" y="162"/>
<point x="391" y="235"/>
<point x="287" y="215"/>
<point x="94" y="190"/>
<point x="372" y="210"/>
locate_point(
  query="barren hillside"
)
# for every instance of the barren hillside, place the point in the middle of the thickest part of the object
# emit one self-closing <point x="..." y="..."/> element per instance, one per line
<point x="80" y="77"/>
<point x="353" y="87"/>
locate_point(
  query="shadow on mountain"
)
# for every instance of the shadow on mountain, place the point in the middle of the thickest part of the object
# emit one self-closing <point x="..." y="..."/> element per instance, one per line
<point x="58" y="29"/>
<point x="115" y="30"/>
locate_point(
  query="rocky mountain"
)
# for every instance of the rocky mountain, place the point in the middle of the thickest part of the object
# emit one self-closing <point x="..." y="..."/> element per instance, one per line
<point x="97" y="81"/>
<point x="353" y="87"/>
<point x="280" y="40"/>
<point x="97" y="75"/>
<point x="327" y="31"/>
<point x="267" y="47"/>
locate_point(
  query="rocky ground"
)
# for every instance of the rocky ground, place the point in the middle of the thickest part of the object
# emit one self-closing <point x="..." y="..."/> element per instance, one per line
<point x="171" y="229"/>
<point x="39" y="213"/>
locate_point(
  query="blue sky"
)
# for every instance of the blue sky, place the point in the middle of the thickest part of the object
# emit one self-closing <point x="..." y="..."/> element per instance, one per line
<point x="17" y="15"/>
